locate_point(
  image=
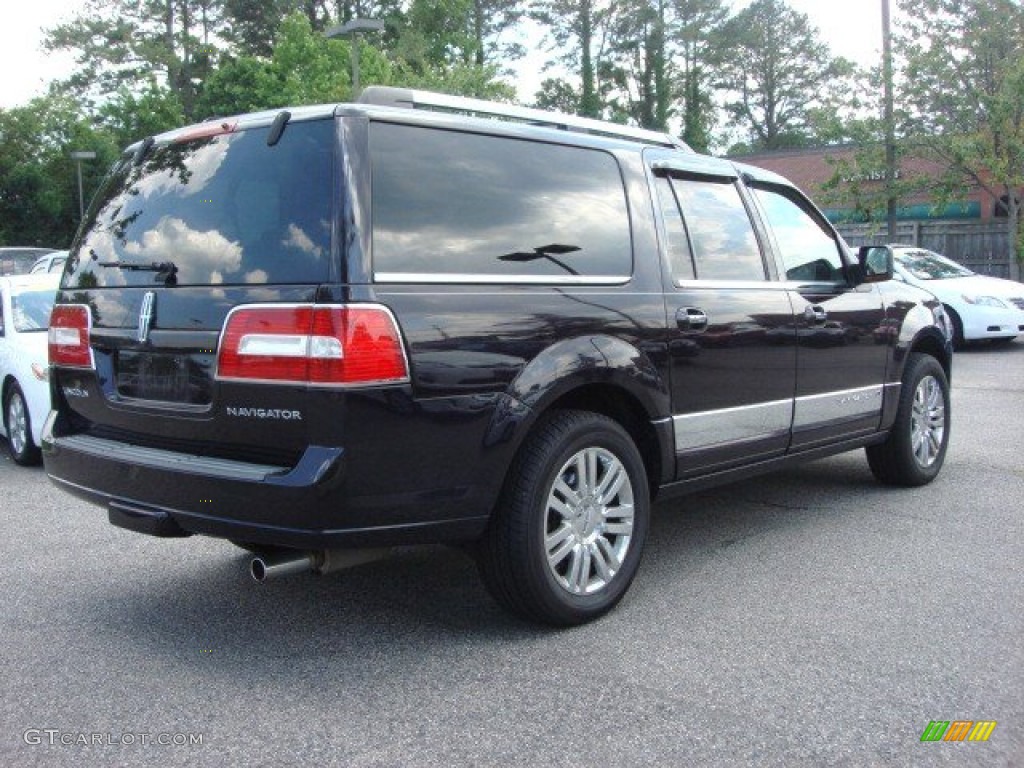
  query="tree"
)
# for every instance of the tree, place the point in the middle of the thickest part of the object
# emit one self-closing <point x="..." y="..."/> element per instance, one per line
<point x="38" y="184"/>
<point x="120" y="43"/>
<point x="492" y="20"/>
<point x="962" y="89"/>
<point x="642" y="71"/>
<point x="776" y="70"/>
<point x="252" y="24"/>
<point x="580" y="28"/>
<point x="558" y="95"/>
<point x="698" y="28"/>
<point x="306" y="68"/>
<point x="443" y="32"/>
<point x="131" y="116"/>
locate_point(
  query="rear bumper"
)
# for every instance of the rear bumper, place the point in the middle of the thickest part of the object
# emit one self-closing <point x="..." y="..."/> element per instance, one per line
<point x="164" y="493"/>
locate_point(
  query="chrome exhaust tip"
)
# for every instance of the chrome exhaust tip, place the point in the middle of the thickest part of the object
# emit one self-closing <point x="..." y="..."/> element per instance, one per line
<point x="263" y="567"/>
<point x="272" y="565"/>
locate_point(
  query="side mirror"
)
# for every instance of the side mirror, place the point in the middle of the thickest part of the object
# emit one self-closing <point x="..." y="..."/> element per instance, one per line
<point x="875" y="263"/>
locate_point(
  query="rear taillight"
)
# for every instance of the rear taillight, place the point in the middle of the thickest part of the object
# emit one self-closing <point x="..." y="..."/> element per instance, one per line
<point x="68" y="337"/>
<point x="358" y="344"/>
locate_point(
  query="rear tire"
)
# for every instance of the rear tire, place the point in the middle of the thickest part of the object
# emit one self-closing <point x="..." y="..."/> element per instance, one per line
<point x="18" y="424"/>
<point x="566" y="537"/>
<point x="913" y="453"/>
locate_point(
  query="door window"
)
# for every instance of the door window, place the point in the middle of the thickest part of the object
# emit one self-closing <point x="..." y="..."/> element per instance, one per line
<point x="721" y="236"/>
<point x="807" y="246"/>
<point x="677" y="244"/>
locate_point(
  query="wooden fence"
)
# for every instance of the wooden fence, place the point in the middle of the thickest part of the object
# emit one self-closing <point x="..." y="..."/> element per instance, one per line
<point x="982" y="246"/>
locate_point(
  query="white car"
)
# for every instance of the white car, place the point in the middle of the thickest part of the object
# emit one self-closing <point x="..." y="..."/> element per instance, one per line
<point x="19" y="260"/>
<point x="51" y="262"/>
<point x="25" y="304"/>
<point x="980" y="307"/>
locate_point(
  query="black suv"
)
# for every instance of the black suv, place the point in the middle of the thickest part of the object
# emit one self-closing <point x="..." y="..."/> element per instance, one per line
<point x="427" y="319"/>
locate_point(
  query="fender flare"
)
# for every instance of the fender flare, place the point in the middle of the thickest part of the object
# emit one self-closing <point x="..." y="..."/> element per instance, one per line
<point x="917" y="332"/>
<point x="569" y="365"/>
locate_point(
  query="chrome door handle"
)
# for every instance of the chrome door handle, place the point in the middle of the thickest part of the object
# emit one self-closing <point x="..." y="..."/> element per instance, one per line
<point x="815" y="314"/>
<point x="691" y="319"/>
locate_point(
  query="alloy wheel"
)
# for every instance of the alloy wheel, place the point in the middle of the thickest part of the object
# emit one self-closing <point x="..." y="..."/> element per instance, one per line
<point x="588" y="521"/>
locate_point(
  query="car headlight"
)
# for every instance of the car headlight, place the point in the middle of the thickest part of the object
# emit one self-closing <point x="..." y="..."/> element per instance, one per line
<point x="984" y="301"/>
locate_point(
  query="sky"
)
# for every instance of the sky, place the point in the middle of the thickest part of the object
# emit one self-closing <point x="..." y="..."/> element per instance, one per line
<point x="852" y="29"/>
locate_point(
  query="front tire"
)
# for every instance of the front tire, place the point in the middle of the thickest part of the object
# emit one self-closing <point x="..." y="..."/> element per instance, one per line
<point x="913" y="453"/>
<point x="565" y="540"/>
<point x="18" y="424"/>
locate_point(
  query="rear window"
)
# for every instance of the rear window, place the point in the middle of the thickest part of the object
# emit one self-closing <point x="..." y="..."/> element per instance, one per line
<point x="31" y="309"/>
<point x="225" y="209"/>
<point x="472" y="206"/>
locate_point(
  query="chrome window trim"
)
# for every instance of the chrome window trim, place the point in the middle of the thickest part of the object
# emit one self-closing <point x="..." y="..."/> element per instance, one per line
<point x="468" y="279"/>
<point x="732" y="285"/>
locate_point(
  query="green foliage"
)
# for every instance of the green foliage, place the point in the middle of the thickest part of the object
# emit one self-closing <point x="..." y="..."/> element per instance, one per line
<point x="121" y="43"/>
<point x="149" y="65"/>
<point x="963" y="93"/>
<point x="458" y="79"/>
<point x="579" y="30"/>
<point x="640" y="61"/>
<point x="250" y="25"/>
<point x="306" y="68"/>
<point x="641" y="70"/>
<point x="697" y="28"/>
<point x="245" y="84"/>
<point x="38" y="182"/>
<point x="131" y="116"/>
<point x="558" y="95"/>
<point x="311" y="68"/>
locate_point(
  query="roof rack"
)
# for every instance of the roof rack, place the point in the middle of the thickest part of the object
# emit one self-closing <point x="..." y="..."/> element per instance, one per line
<point x="440" y="102"/>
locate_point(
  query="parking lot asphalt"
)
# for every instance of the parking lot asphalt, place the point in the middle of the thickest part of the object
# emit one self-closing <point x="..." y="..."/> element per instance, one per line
<point x="810" y="617"/>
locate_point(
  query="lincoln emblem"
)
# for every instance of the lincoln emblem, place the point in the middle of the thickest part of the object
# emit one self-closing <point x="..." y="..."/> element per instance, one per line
<point x="146" y="315"/>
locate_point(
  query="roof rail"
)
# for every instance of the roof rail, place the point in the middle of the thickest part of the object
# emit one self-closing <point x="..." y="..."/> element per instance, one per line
<point x="441" y="102"/>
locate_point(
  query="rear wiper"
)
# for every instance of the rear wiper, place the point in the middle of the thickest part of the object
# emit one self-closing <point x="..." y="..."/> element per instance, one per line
<point x="167" y="269"/>
<point x="133" y="266"/>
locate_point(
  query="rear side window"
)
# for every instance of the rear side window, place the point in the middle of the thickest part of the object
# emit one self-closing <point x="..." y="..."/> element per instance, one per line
<point x="470" y="206"/>
<point x="225" y="209"/>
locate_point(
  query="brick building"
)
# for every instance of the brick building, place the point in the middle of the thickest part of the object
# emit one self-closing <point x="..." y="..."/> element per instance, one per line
<point x="810" y="169"/>
<point x="971" y="229"/>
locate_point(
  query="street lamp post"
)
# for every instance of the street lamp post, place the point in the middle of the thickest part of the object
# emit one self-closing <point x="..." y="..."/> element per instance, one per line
<point x="353" y="28"/>
<point x="78" y="157"/>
